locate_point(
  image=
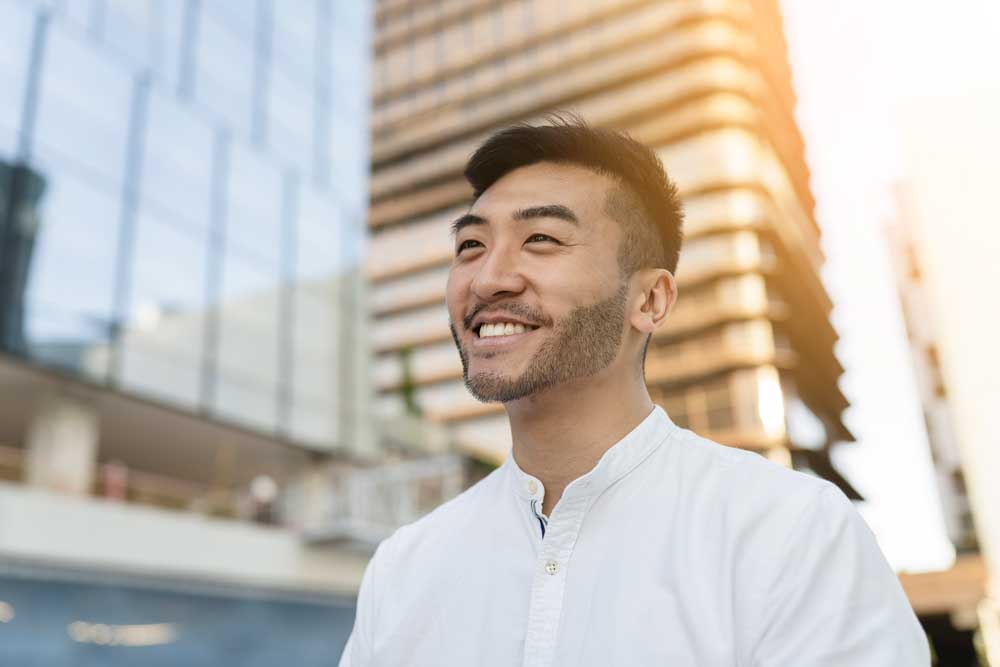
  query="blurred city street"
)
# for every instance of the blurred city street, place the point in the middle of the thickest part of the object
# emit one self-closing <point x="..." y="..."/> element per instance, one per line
<point x="226" y="371"/>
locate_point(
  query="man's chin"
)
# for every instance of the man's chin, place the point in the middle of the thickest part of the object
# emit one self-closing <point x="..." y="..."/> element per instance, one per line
<point x="495" y="387"/>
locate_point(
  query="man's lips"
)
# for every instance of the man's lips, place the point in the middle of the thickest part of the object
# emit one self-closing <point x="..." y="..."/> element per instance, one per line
<point x="495" y="342"/>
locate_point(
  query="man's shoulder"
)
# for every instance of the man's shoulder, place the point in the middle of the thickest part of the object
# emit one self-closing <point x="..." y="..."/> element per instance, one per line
<point x="744" y="480"/>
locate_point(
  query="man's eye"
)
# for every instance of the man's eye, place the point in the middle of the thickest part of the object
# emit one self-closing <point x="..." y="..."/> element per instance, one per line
<point x="469" y="243"/>
<point x="534" y="238"/>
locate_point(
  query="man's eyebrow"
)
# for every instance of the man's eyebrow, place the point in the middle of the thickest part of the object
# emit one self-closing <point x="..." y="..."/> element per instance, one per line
<point x="547" y="211"/>
<point x="465" y="221"/>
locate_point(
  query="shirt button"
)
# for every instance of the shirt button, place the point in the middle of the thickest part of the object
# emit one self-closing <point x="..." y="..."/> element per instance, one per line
<point x="532" y="486"/>
<point x="551" y="566"/>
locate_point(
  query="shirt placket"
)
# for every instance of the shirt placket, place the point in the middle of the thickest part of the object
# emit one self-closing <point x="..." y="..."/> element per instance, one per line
<point x="548" y="584"/>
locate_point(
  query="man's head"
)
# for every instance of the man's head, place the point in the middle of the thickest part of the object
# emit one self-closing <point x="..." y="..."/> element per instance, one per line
<point x="564" y="263"/>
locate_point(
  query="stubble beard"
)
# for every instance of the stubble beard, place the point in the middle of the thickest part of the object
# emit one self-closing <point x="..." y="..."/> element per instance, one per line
<point x="581" y="345"/>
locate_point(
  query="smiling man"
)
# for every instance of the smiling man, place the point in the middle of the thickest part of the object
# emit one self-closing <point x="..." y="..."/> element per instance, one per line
<point x="610" y="536"/>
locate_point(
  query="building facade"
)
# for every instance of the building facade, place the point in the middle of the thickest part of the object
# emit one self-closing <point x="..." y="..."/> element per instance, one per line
<point x="182" y="225"/>
<point x="746" y="358"/>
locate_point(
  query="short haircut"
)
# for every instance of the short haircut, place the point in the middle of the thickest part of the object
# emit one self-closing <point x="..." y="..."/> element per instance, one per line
<point x="645" y="201"/>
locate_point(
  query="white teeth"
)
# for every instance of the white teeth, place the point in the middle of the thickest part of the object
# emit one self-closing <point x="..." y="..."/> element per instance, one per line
<point x="501" y="329"/>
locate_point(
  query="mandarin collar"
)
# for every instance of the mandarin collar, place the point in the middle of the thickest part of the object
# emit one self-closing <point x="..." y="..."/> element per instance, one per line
<point x="620" y="459"/>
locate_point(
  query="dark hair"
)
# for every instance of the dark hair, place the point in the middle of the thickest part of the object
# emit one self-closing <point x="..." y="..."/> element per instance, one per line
<point x="646" y="201"/>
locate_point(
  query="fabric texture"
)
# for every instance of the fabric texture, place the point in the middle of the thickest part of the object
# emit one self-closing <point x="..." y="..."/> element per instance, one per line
<point x="673" y="550"/>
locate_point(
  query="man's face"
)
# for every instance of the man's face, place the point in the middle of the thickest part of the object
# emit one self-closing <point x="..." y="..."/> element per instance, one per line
<point x="535" y="294"/>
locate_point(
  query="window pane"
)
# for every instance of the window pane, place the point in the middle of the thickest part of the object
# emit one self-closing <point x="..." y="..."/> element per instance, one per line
<point x="254" y="219"/>
<point x="178" y="162"/>
<point x="83" y="110"/>
<point x="291" y="110"/>
<point x="224" y="79"/>
<point x="130" y="28"/>
<point x="248" y="372"/>
<point x="16" y="31"/>
<point x="162" y="342"/>
<point x="70" y="282"/>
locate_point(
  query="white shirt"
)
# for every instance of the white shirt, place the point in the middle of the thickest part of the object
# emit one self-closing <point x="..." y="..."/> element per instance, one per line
<point x="673" y="550"/>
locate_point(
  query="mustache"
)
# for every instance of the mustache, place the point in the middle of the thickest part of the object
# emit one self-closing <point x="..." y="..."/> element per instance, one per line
<point x="522" y="310"/>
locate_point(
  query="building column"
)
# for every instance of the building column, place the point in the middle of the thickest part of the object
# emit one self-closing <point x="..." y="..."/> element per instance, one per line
<point x="62" y="444"/>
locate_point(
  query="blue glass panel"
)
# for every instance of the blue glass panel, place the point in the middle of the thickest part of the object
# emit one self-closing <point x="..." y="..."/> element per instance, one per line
<point x="83" y="109"/>
<point x="318" y="252"/>
<point x="162" y="340"/>
<point x="294" y="38"/>
<point x="16" y="29"/>
<point x="225" y="67"/>
<point x="78" y="12"/>
<point x="316" y="336"/>
<point x="177" y="165"/>
<point x="291" y="118"/>
<point x="247" y="361"/>
<point x="70" y="282"/>
<point x="130" y="28"/>
<point x="254" y="220"/>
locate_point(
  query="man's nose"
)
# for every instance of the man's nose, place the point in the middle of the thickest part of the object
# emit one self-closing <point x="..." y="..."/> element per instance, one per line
<point x="498" y="276"/>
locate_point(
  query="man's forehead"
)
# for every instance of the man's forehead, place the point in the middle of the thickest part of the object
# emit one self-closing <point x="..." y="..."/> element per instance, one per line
<point x="572" y="186"/>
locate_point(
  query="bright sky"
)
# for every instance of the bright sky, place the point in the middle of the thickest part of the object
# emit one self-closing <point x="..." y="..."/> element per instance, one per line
<point x="856" y="63"/>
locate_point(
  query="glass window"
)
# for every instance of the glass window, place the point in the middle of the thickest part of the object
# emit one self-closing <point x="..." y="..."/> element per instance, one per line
<point x="317" y="254"/>
<point x="70" y="287"/>
<point x="316" y="335"/>
<point x="255" y="211"/>
<point x="291" y="112"/>
<point x="16" y="33"/>
<point x="248" y="373"/>
<point x="178" y="161"/>
<point x="130" y="28"/>
<point x="294" y="38"/>
<point x="162" y="342"/>
<point x="84" y="109"/>
<point x="78" y="12"/>
<point x="225" y="65"/>
<point x="168" y="40"/>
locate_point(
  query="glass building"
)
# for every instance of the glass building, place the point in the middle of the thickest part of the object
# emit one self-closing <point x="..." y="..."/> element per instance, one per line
<point x="183" y="192"/>
<point x="183" y="196"/>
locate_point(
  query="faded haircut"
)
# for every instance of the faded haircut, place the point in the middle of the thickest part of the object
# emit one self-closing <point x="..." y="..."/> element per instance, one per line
<point x="644" y="201"/>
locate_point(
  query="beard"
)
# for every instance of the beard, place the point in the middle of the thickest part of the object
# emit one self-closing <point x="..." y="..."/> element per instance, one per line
<point x="581" y="345"/>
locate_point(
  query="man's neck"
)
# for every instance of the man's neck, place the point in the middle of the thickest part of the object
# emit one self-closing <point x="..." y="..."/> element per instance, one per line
<point x="560" y="434"/>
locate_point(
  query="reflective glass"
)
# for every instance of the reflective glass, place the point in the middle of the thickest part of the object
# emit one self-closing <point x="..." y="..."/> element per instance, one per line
<point x="254" y="213"/>
<point x="83" y="110"/>
<point x="225" y="66"/>
<point x="316" y="334"/>
<point x="70" y="286"/>
<point x="162" y="342"/>
<point x="247" y="363"/>
<point x="78" y="12"/>
<point x="177" y="165"/>
<point x="291" y="113"/>
<point x="130" y="28"/>
<point x="294" y="37"/>
<point x="16" y="31"/>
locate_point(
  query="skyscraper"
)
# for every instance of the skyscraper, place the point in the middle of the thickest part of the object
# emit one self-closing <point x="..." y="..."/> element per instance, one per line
<point x="747" y="355"/>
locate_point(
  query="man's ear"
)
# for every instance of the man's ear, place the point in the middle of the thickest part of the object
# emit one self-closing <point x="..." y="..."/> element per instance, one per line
<point x="656" y="298"/>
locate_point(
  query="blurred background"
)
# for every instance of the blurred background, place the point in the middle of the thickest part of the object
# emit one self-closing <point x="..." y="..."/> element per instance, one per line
<point x="225" y="367"/>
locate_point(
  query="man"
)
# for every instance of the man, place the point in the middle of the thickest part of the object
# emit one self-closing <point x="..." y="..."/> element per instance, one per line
<point x="610" y="536"/>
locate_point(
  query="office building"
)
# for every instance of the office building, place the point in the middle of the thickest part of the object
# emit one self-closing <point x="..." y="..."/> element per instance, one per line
<point x="747" y="356"/>
<point x="182" y="207"/>
<point x="946" y="243"/>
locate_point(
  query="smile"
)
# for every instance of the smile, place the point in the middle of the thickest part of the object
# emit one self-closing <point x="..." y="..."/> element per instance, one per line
<point x="494" y="334"/>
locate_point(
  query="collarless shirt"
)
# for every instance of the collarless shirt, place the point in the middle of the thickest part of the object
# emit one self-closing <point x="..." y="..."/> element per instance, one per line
<point x="672" y="550"/>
